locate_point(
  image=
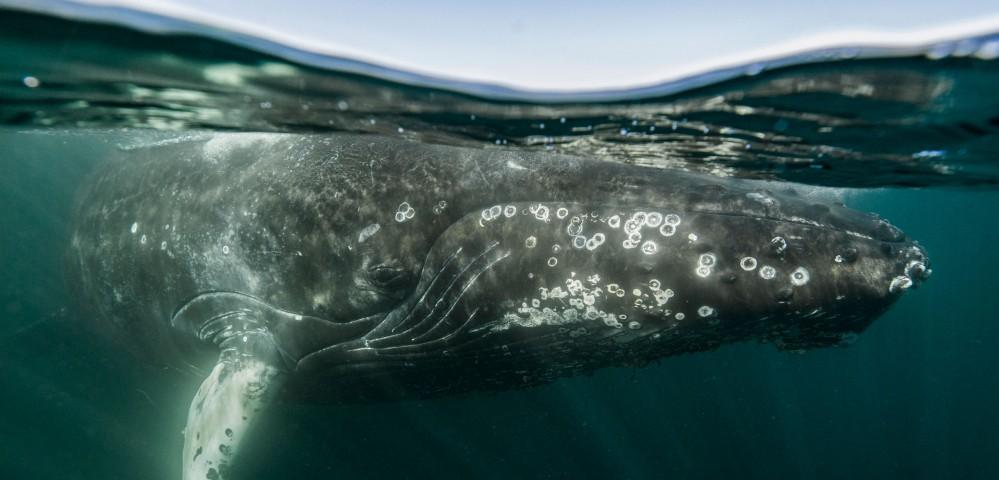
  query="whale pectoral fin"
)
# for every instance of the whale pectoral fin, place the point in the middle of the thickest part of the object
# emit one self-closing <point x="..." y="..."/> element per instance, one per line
<point x="260" y="346"/>
<point x="233" y="396"/>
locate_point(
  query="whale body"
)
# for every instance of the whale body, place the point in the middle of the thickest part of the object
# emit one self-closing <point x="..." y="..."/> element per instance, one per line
<point x="331" y="268"/>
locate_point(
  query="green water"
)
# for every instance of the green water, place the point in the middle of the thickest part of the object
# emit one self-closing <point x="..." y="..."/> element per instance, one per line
<point x="912" y="138"/>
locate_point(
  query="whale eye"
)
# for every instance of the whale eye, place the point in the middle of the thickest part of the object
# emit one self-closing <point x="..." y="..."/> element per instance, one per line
<point x="388" y="276"/>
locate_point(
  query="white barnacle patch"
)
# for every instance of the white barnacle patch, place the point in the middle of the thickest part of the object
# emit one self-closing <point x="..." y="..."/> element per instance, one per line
<point x="767" y="272"/>
<point x="509" y="211"/>
<point x="654" y="219"/>
<point x="748" y="264"/>
<point x="654" y="284"/>
<point x="561" y="212"/>
<point x="134" y="228"/>
<point x="632" y="227"/>
<point x="779" y="244"/>
<point x="899" y="283"/>
<point x="706" y="260"/>
<point x="614" y="221"/>
<point x="552" y="261"/>
<point x="225" y="249"/>
<point x="628" y="244"/>
<point x="492" y="213"/>
<point x="799" y="277"/>
<point x="439" y="208"/>
<point x="595" y="241"/>
<point x="578" y="241"/>
<point x="539" y="211"/>
<point x="649" y="247"/>
<point x="531" y="242"/>
<point x="679" y="316"/>
<point x="633" y="325"/>
<point x="142" y="240"/>
<point x="667" y="230"/>
<point x="839" y="259"/>
<point x="672" y="219"/>
<point x="593" y="279"/>
<point x="163" y="245"/>
<point x="915" y="268"/>
<point x="759" y="197"/>
<point x="639" y="218"/>
<point x="692" y="237"/>
<point x="636" y="292"/>
<point x="703" y="271"/>
<point x="705" y="311"/>
<point x="367" y="232"/>
<point x="404" y="212"/>
<point x="662" y="296"/>
<point x="575" y="227"/>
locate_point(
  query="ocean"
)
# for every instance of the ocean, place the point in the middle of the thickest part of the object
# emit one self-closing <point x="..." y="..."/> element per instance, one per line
<point x="912" y="134"/>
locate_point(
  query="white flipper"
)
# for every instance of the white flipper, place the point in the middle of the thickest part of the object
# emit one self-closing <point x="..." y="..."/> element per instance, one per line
<point x="229" y="401"/>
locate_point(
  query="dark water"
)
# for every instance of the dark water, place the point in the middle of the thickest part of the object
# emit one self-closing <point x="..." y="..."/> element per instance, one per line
<point x="912" y="137"/>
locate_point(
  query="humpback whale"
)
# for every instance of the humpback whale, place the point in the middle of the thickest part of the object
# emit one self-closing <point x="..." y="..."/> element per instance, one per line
<point x="333" y="268"/>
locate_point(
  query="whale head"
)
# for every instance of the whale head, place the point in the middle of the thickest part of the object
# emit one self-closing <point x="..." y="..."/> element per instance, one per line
<point x="553" y="287"/>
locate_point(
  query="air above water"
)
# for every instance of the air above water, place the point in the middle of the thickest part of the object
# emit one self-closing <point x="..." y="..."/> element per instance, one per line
<point x="912" y="135"/>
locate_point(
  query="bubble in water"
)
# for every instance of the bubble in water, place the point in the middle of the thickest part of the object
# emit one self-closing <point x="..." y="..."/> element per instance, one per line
<point x="31" y="82"/>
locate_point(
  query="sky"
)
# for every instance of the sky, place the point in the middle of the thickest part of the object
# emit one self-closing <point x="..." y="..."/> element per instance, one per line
<point x="579" y="45"/>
